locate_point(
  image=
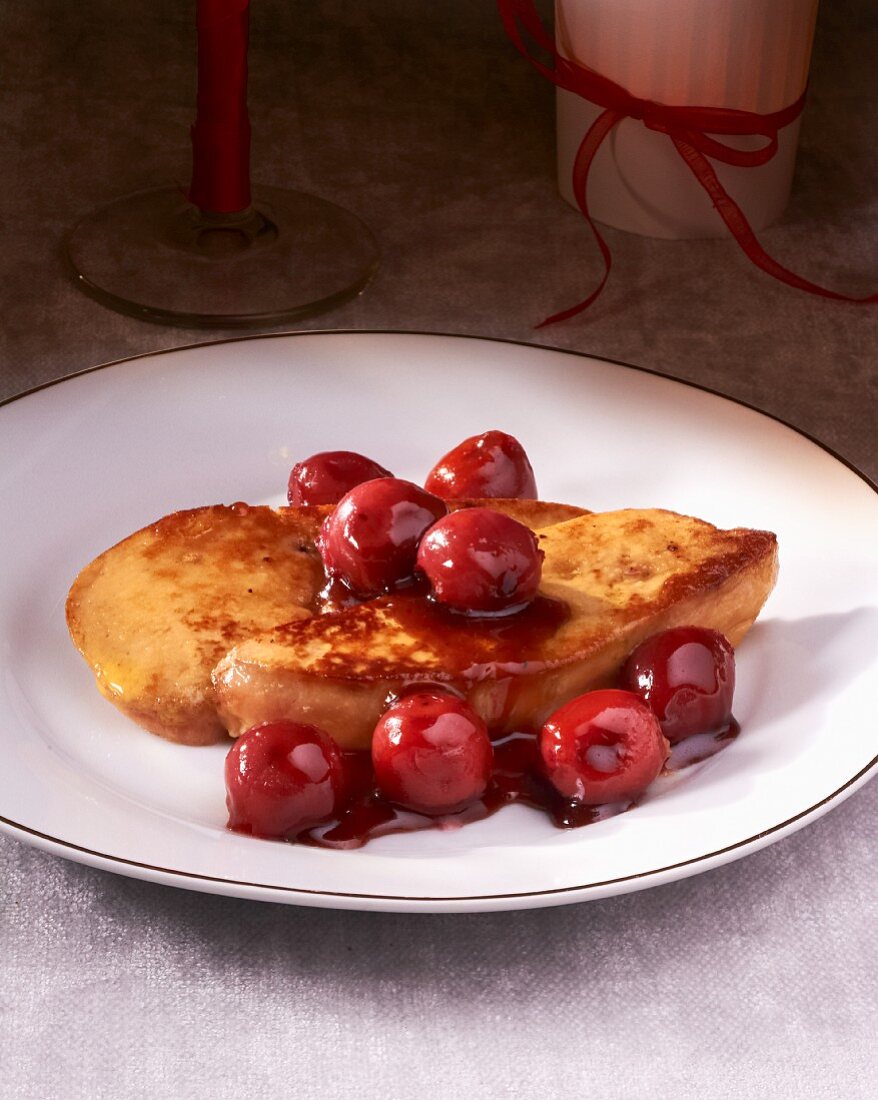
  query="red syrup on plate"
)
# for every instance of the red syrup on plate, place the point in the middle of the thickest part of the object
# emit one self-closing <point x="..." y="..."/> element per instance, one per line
<point x="517" y="777"/>
<point x="700" y="747"/>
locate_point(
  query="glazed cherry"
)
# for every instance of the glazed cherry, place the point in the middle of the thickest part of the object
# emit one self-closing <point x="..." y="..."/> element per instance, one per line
<point x="481" y="561"/>
<point x="493" y="464"/>
<point x="281" y="778"/>
<point x="604" y="746"/>
<point x="370" y="541"/>
<point x="431" y="753"/>
<point x="687" y="677"/>
<point x="324" y="478"/>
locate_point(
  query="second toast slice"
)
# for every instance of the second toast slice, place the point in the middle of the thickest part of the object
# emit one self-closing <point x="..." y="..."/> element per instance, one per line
<point x="609" y="581"/>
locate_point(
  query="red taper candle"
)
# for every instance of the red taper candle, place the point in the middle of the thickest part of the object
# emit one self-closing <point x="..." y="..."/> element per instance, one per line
<point x="221" y="134"/>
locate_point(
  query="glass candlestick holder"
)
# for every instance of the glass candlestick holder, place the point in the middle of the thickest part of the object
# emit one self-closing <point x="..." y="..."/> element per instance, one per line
<point x="215" y="255"/>
<point x="156" y="256"/>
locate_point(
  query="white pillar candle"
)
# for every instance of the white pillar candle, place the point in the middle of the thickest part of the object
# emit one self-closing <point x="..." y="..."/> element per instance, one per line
<point x="749" y="55"/>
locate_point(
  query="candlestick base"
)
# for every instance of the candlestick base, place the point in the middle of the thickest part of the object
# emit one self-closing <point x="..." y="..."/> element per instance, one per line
<point x="154" y="256"/>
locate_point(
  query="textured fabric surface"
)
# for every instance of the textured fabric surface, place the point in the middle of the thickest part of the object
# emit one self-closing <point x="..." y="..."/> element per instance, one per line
<point x="758" y="979"/>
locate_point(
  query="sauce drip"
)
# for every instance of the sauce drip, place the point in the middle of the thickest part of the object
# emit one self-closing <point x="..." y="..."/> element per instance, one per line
<point x="462" y="645"/>
<point x="701" y="746"/>
<point x="459" y="639"/>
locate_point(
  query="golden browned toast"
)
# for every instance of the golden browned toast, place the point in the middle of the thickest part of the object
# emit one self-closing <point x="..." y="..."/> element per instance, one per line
<point x="609" y="581"/>
<point x="155" y="613"/>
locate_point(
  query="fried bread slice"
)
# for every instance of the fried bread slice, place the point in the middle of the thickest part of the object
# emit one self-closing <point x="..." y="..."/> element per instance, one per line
<point x="609" y="581"/>
<point x="154" y="614"/>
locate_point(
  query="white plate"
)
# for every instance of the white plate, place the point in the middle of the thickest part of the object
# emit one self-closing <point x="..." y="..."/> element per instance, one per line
<point x="85" y="462"/>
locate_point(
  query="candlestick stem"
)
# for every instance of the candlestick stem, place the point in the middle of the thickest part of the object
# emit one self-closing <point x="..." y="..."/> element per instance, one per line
<point x="221" y="133"/>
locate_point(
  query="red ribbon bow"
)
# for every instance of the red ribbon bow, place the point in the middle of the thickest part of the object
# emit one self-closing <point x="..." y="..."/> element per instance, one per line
<point x="687" y="127"/>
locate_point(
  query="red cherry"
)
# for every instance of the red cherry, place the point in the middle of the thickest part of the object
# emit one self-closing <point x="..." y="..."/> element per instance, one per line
<point x="281" y="778"/>
<point x="493" y="464"/>
<point x="687" y="677"/>
<point x="370" y="541"/>
<point x="431" y="753"/>
<point x="479" y="560"/>
<point x="604" y="746"/>
<point x="324" y="478"/>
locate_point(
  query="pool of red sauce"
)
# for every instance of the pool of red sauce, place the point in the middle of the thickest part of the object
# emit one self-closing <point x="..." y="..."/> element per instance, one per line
<point x="517" y="777"/>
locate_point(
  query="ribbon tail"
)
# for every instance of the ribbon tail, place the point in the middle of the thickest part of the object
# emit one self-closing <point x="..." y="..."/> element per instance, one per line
<point x="585" y="154"/>
<point x="742" y="231"/>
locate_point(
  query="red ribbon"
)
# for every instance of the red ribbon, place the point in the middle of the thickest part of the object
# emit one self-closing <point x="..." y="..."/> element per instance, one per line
<point x="687" y="127"/>
<point x="221" y="134"/>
